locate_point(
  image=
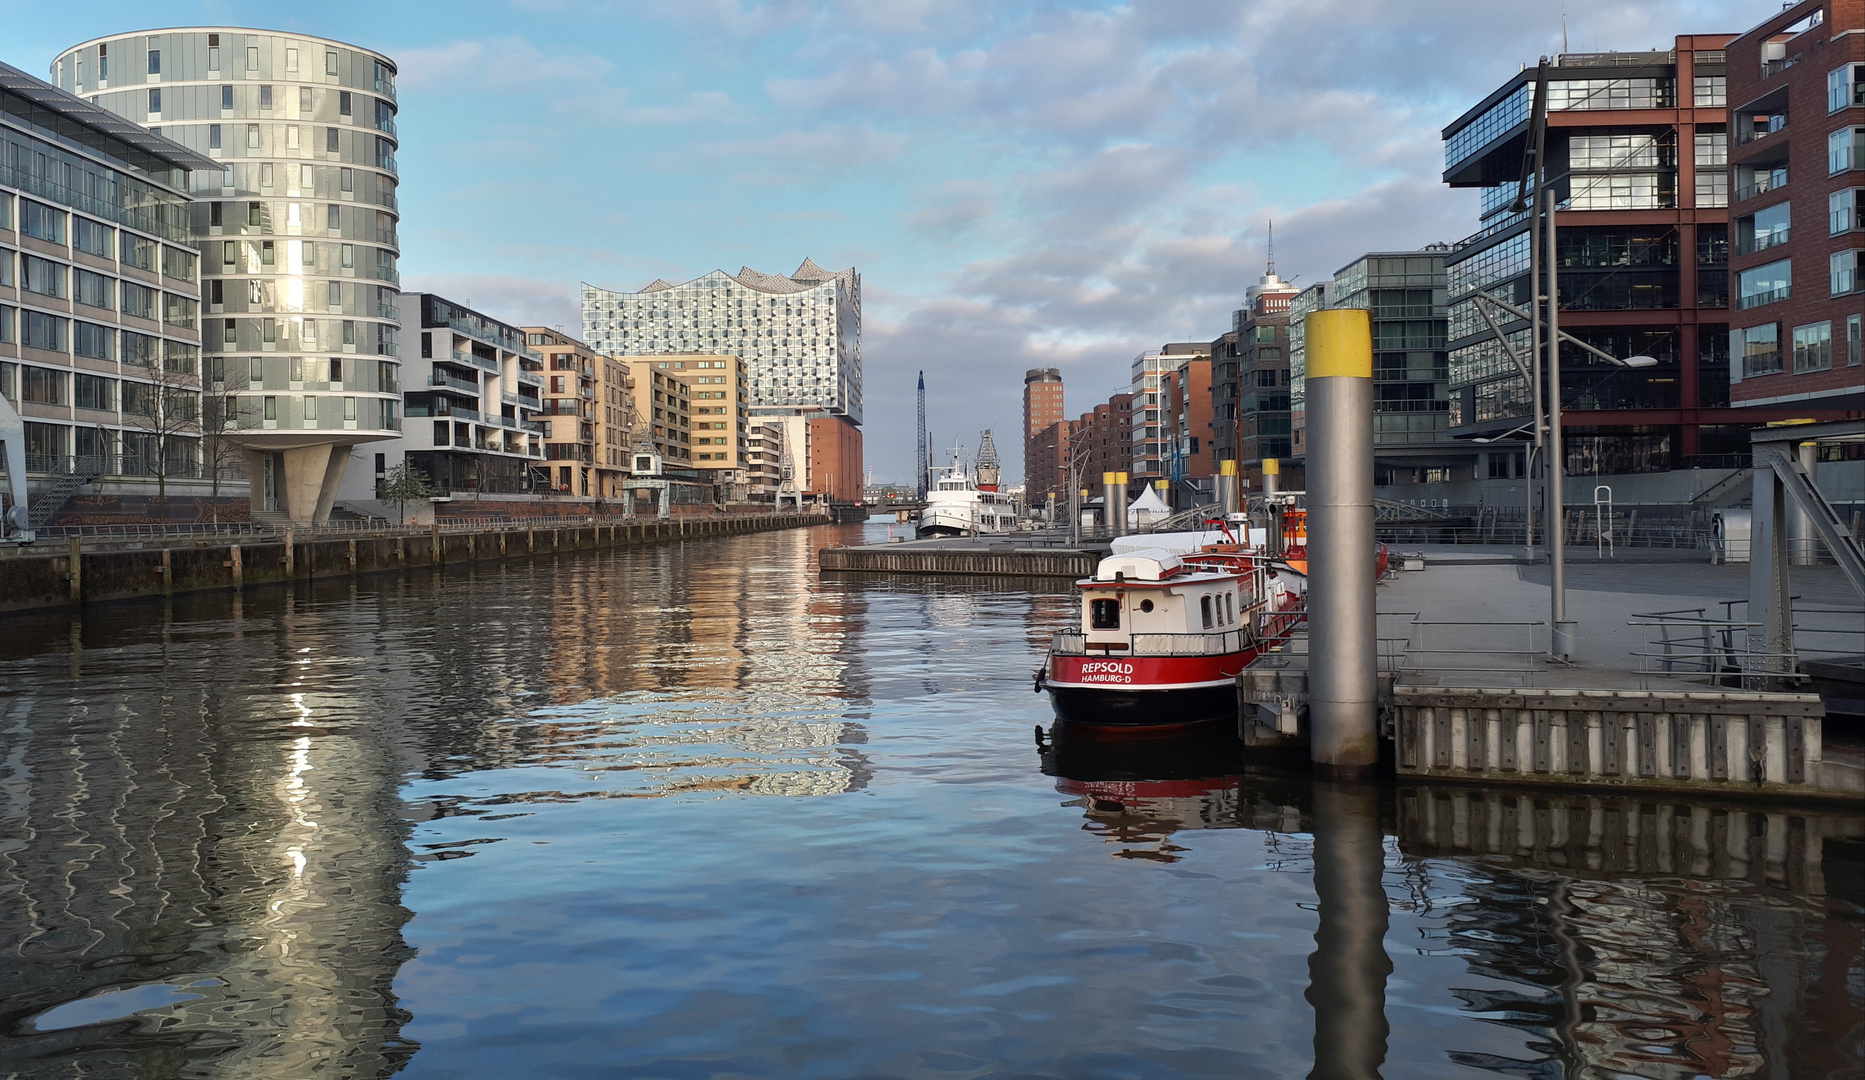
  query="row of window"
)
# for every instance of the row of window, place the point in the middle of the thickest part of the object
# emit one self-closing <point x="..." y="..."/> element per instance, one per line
<point x="1811" y="347"/>
<point x="61" y="282"/>
<point x="69" y="179"/>
<point x="384" y="113"/>
<point x="55" y="333"/>
<point x="1774" y="281"/>
<point x="152" y="60"/>
<point x="55" y="226"/>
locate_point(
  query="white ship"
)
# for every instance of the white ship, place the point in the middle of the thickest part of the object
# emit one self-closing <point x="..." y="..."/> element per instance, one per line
<point x="956" y="507"/>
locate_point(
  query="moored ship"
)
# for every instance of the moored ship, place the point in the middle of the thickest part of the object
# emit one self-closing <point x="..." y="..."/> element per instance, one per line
<point x="1163" y="636"/>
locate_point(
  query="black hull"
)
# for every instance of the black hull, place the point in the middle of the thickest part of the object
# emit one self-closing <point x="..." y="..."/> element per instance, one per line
<point x="1104" y="707"/>
<point x="935" y="532"/>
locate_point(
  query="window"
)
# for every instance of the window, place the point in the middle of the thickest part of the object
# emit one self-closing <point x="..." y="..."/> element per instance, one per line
<point x="291" y="137"/>
<point x="93" y="392"/>
<point x="155" y="61"/>
<point x="1813" y="347"/>
<point x="252" y="136"/>
<point x="1763" y="229"/>
<point x="179" y="310"/>
<point x="1855" y="346"/>
<point x="265" y="97"/>
<point x="343" y="103"/>
<point x="103" y="61"/>
<point x="138" y="349"/>
<point x="252" y="58"/>
<point x="1104" y="614"/>
<point x="136" y="251"/>
<point x="330" y="63"/>
<point x="91" y="290"/>
<point x="271" y="408"/>
<point x="42" y="386"/>
<point x="1204" y="609"/>
<point x="1845" y="211"/>
<point x="331" y="145"/>
<point x="1845" y="272"/>
<point x="1845" y="87"/>
<point x="41" y="222"/>
<point x="178" y="264"/>
<point x="1845" y="149"/>
<point x="42" y="276"/>
<point x="1710" y="91"/>
<point x="335" y="293"/>
<point x="291" y="59"/>
<point x="349" y="408"/>
<point x="138" y="300"/>
<point x="155" y="102"/>
<point x="310" y="407"/>
<point x="1766" y="284"/>
<point x="1760" y="349"/>
<point x="346" y="179"/>
<point x="89" y="339"/>
<point x="213" y="136"/>
<point x="213" y="52"/>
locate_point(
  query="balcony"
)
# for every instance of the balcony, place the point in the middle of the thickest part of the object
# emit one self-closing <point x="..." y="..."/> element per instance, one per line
<point x="388" y="311"/>
<point x="388" y="274"/>
<point x="1764" y="183"/>
<point x="475" y="360"/>
<point x="1769" y="297"/>
<point x="442" y="408"/>
<point x="385" y="125"/>
<point x="1762" y="242"/>
<point x="453" y="382"/>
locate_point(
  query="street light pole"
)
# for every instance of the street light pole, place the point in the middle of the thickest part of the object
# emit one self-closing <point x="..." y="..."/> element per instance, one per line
<point x="1561" y="636"/>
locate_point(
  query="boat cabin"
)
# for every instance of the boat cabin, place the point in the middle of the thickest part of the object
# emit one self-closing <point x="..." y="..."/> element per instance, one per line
<point x="1154" y="592"/>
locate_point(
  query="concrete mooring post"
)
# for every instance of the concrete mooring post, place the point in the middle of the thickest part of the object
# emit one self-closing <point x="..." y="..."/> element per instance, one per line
<point x="1227" y="487"/>
<point x="1343" y="658"/>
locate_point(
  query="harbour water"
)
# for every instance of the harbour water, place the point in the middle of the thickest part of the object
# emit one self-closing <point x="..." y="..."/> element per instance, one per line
<point x="693" y="811"/>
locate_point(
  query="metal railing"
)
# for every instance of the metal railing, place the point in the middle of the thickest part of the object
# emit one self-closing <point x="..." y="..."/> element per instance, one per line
<point x="1769" y="297"/>
<point x="1188" y="644"/>
<point x="92" y="465"/>
<point x="1762" y="241"/>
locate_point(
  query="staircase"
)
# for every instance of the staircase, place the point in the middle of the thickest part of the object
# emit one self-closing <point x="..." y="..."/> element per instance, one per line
<point x="52" y="498"/>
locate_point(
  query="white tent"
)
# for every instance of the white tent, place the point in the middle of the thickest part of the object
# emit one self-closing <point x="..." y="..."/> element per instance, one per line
<point x="1148" y="508"/>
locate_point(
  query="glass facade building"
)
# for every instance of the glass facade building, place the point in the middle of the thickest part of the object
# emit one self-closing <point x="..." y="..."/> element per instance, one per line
<point x="1638" y="144"/>
<point x="799" y="335"/>
<point x="100" y="341"/>
<point x="296" y="234"/>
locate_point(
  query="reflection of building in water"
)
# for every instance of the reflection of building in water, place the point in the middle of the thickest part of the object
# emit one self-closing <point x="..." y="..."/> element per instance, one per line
<point x="245" y="848"/>
<point x="1663" y="940"/>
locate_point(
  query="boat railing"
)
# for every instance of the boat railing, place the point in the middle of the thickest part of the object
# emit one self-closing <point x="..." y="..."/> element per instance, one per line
<point x="1070" y="644"/>
<point x="1187" y="644"/>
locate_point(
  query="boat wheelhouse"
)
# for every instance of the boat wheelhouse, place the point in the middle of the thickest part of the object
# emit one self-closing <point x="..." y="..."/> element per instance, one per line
<point x="1163" y="637"/>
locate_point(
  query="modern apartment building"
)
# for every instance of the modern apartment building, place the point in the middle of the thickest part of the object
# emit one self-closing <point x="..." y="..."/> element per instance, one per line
<point x="1185" y="416"/>
<point x="1797" y="97"/>
<point x="1256" y="369"/>
<point x="800" y="335"/>
<point x="1310" y="300"/>
<point x="664" y="407"/>
<point x="1405" y="293"/>
<point x="1638" y="149"/>
<point x="1042" y="409"/>
<point x="100" y="342"/>
<point x="584" y="413"/>
<point x="297" y="233"/>
<point x="473" y="423"/>
<point x="718" y="420"/>
<point x="1148" y="431"/>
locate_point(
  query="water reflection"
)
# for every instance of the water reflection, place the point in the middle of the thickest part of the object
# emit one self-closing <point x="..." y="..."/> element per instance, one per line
<point x="690" y="810"/>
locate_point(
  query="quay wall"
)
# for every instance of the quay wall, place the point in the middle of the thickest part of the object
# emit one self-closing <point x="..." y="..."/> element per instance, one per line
<point x="960" y="562"/>
<point x="70" y="575"/>
<point x="1739" y="743"/>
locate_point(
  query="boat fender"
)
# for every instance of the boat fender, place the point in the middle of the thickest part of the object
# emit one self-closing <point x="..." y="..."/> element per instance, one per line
<point x="1039" y="679"/>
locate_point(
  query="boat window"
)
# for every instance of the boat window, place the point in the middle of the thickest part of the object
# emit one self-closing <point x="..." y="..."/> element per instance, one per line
<point x="1146" y="605"/>
<point x="1204" y="604"/>
<point x="1230" y="607"/>
<point x="1104" y="614"/>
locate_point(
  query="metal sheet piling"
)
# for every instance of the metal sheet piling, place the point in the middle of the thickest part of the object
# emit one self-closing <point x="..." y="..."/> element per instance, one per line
<point x="1343" y="669"/>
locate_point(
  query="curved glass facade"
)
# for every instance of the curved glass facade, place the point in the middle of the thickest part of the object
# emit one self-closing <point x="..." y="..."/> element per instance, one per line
<point x="297" y="237"/>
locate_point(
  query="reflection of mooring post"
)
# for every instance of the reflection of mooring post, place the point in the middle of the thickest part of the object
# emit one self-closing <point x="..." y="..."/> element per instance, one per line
<point x="1347" y="971"/>
<point x="1342" y="674"/>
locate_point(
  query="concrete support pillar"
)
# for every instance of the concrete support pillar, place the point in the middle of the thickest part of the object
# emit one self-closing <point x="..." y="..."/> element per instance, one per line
<point x="333" y="479"/>
<point x="301" y="488"/>
<point x="1347" y="971"/>
<point x="1343" y="669"/>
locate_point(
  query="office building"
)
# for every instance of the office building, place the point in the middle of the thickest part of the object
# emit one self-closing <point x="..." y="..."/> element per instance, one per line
<point x="1185" y="419"/>
<point x="473" y="423"/>
<point x="1305" y="303"/>
<point x="1797" y="96"/>
<point x="800" y="335"/>
<point x="100" y="342"/>
<point x="1042" y="409"/>
<point x="587" y="404"/>
<point x="297" y="234"/>
<point x="1405" y="294"/>
<point x="1637" y="150"/>
<point x="1256" y="377"/>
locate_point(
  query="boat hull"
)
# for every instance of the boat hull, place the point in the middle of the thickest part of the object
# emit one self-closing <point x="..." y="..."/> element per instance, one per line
<point x="1144" y="691"/>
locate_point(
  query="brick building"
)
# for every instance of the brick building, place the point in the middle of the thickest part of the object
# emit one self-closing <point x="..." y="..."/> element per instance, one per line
<point x="1797" y="164"/>
<point x="1042" y="409"/>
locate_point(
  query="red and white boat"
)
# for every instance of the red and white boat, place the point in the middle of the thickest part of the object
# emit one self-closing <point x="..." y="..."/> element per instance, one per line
<point x="1163" y="636"/>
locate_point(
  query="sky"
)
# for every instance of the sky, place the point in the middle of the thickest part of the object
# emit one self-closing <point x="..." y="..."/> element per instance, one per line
<point x="1021" y="184"/>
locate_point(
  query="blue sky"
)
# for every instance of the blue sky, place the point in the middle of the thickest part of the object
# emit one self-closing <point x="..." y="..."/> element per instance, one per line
<point x="1020" y="184"/>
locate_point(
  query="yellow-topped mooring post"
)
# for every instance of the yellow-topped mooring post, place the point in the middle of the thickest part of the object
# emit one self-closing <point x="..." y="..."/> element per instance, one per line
<point x="1343" y="657"/>
<point x="1272" y="476"/>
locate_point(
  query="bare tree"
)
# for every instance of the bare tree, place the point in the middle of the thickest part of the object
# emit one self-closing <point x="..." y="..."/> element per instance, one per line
<point x="166" y="409"/>
<point x="219" y="450"/>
